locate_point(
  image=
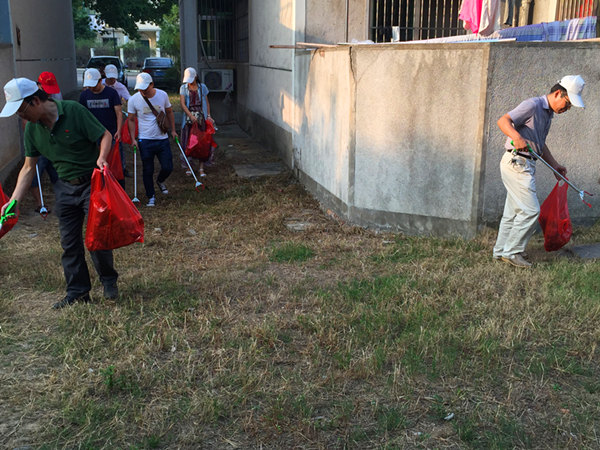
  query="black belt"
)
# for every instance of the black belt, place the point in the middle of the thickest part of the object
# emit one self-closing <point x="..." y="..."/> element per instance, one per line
<point x="524" y="155"/>
<point x="79" y="180"/>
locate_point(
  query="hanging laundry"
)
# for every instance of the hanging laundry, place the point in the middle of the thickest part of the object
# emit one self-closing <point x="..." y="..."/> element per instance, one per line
<point x="470" y="14"/>
<point x="490" y="17"/>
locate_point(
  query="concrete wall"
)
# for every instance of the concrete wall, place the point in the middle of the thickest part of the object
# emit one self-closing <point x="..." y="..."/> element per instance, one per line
<point x="378" y="140"/>
<point x="404" y="137"/>
<point x="43" y="40"/>
<point x="327" y="21"/>
<point x="10" y="149"/>
<point x="265" y="100"/>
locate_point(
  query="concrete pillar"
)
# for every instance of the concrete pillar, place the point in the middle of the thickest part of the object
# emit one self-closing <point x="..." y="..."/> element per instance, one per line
<point x="188" y="18"/>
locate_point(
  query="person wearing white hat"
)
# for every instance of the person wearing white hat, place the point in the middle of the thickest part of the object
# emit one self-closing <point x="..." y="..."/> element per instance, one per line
<point x="145" y="105"/>
<point x="528" y="124"/>
<point x="112" y="73"/>
<point x="193" y="97"/>
<point x="67" y="134"/>
<point x="102" y="101"/>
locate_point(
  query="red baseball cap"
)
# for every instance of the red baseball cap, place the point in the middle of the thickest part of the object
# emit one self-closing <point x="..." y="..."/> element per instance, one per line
<point x="48" y="82"/>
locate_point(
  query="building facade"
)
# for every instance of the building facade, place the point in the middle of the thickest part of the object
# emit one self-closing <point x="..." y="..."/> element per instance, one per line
<point x="391" y="136"/>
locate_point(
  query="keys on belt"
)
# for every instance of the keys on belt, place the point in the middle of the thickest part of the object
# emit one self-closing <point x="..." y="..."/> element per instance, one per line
<point x="523" y="155"/>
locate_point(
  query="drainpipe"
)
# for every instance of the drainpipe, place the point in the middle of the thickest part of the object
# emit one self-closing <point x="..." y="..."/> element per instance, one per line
<point x="347" y="19"/>
<point x="524" y="12"/>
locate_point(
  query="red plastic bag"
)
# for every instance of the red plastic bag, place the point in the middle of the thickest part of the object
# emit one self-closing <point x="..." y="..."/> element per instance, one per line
<point x="554" y="218"/>
<point x="125" y="136"/>
<point x="200" y="142"/>
<point x="113" y="219"/>
<point x="114" y="162"/>
<point x="6" y="226"/>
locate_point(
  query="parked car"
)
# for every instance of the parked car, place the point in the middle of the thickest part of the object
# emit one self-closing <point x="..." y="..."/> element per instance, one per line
<point x="100" y="62"/>
<point x="162" y="72"/>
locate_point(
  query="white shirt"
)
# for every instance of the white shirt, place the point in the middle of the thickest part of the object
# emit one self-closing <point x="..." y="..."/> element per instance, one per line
<point x="120" y="88"/>
<point x="148" y="127"/>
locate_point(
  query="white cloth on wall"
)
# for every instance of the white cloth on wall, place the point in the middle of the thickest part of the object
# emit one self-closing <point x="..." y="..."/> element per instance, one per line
<point x="490" y="17"/>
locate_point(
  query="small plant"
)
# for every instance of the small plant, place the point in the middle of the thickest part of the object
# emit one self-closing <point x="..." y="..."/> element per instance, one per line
<point x="291" y="252"/>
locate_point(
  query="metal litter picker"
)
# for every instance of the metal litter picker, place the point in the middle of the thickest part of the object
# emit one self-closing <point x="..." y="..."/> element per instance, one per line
<point x="579" y="191"/>
<point x="198" y="184"/>
<point x="43" y="211"/>
<point x="135" y="199"/>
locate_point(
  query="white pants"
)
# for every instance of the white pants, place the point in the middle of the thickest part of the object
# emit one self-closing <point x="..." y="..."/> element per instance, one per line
<point x="522" y="207"/>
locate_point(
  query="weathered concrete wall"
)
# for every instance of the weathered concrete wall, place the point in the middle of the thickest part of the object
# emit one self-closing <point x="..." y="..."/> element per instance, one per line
<point x="378" y="139"/>
<point x="10" y="148"/>
<point x="264" y="103"/>
<point x="326" y="21"/>
<point x="44" y="40"/>
<point x="418" y="136"/>
<point x="521" y="70"/>
<point x="325" y="109"/>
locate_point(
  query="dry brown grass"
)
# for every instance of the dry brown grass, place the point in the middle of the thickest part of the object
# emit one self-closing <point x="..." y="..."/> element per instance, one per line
<point x="235" y="332"/>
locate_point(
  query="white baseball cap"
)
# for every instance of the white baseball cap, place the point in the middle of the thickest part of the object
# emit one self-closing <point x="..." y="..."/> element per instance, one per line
<point x="15" y="91"/>
<point x="574" y="85"/>
<point x="111" y="71"/>
<point x="189" y="75"/>
<point x="91" y="77"/>
<point x="142" y="81"/>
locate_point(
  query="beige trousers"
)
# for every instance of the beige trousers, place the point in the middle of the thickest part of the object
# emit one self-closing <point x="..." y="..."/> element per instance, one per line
<point x="522" y="207"/>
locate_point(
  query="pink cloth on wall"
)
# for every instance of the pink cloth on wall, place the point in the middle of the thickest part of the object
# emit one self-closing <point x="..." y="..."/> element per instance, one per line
<point x="470" y="14"/>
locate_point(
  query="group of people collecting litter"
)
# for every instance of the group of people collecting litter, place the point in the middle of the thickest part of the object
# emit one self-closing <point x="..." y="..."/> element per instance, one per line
<point x="76" y="138"/>
<point x="73" y="139"/>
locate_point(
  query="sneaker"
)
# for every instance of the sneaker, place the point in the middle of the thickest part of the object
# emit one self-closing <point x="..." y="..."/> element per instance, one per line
<point x="162" y="187"/>
<point x="111" y="291"/>
<point x="69" y="300"/>
<point x="517" y="260"/>
<point x="152" y="201"/>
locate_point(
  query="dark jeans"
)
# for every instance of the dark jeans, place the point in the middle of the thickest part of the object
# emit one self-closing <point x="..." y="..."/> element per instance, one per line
<point x="71" y="208"/>
<point x="149" y="148"/>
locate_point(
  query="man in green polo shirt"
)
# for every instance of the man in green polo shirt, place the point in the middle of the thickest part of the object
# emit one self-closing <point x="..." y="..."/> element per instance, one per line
<point x="66" y="133"/>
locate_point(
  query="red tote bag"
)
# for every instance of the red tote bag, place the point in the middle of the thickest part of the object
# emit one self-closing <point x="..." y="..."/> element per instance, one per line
<point x="554" y="218"/>
<point x="200" y="143"/>
<point x="113" y="219"/>
<point x="10" y="223"/>
<point x="125" y="136"/>
<point x="114" y="162"/>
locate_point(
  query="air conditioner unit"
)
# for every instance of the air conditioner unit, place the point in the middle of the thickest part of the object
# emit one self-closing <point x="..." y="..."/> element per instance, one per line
<point x="218" y="80"/>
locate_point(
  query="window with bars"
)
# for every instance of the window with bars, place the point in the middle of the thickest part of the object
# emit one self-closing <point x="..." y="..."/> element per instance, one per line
<point x="415" y="19"/>
<point x="216" y="25"/>
<point x="572" y="9"/>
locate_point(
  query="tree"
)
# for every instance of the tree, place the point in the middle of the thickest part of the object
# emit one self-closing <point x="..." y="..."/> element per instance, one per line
<point x="169" y="34"/>
<point x="81" y="21"/>
<point x="125" y="13"/>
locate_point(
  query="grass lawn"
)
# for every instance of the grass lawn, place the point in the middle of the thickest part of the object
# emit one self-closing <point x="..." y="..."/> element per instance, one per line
<point x="233" y="331"/>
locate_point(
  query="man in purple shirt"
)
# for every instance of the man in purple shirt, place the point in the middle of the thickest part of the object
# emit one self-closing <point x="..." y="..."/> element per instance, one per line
<point x="528" y="123"/>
